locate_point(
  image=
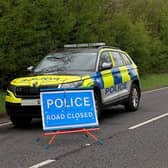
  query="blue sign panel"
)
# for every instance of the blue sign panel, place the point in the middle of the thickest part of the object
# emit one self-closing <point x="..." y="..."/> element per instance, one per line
<point x="68" y="109"/>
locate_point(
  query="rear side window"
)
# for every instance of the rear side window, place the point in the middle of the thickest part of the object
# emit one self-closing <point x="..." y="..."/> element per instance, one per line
<point x="126" y="60"/>
<point x="117" y="59"/>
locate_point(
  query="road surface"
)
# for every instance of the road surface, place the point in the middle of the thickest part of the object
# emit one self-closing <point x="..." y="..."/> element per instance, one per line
<point x="130" y="140"/>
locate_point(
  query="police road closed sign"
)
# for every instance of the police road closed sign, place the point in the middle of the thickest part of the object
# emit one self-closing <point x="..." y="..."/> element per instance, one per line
<point x="68" y="109"/>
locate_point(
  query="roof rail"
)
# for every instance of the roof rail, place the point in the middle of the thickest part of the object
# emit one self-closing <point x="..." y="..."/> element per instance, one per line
<point x="109" y="47"/>
<point x="84" y="45"/>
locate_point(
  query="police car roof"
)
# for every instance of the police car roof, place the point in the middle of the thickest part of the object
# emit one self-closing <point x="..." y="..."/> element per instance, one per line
<point x="76" y="50"/>
<point x="84" y="49"/>
<point x="97" y="46"/>
<point x="87" y="50"/>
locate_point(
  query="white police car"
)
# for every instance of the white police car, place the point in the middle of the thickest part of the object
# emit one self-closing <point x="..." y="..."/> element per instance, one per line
<point x="110" y="71"/>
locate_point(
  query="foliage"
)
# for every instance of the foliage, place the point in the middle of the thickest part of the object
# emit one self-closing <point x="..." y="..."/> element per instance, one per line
<point x="2" y="102"/>
<point x="31" y="28"/>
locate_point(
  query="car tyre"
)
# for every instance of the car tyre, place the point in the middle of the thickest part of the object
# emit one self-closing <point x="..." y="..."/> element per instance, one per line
<point x="134" y="98"/>
<point x="21" y="122"/>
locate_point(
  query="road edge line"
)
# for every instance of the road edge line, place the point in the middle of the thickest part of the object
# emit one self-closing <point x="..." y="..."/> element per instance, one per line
<point x="154" y="90"/>
<point x="44" y="163"/>
<point x="148" y="121"/>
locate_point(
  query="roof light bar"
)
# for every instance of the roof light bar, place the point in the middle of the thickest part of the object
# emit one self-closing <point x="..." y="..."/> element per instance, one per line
<point x="97" y="44"/>
<point x="84" y="45"/>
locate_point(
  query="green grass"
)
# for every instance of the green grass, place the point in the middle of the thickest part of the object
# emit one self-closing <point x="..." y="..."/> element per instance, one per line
<point x="2" y="102"/>
<point x="148" y="82"/>
<point x="153" y="81"/>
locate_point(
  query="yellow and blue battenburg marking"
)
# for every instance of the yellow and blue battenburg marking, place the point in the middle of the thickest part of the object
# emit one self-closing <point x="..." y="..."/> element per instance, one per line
<point x="116" y="76"/>
<point x="98" y="81"/>
<point x="107" y="78"/>
<point x="132" y="72"/>
<point x="124" y="74"/>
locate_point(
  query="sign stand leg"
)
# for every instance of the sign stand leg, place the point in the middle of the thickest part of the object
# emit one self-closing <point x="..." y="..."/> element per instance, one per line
<point x="95" y="138"/>
<point x="52" y="139"/>
<point x="85" y="131"/>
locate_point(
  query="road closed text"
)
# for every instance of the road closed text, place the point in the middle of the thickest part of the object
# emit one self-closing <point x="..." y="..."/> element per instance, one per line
<point x="70" y="116"/>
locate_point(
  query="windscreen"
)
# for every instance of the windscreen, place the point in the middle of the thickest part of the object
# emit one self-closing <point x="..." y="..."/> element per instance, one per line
<point x="67" y="62"/>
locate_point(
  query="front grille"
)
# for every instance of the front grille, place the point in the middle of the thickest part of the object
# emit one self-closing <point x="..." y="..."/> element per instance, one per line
<point x="31" y="92"/>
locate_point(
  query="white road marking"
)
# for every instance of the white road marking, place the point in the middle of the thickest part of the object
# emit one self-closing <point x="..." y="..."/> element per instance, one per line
<point x="42" y="164"/>
<point x="155" y="90"/>
<point x="4" y="124"/>
<point x="148" y="121"/>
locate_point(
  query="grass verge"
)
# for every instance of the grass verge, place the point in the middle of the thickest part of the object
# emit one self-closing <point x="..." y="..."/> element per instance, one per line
<point x="148" y="82"/>
<point x="2" y="102"/>
<point x="153" y="81"/>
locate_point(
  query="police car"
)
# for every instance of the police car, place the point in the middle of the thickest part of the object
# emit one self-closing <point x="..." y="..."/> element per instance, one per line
<point x="110" y="71"/>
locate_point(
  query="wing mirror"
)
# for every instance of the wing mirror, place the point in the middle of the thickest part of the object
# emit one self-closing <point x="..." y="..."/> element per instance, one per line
<point x="106" y="65"/>
<point x="30" y="68"/>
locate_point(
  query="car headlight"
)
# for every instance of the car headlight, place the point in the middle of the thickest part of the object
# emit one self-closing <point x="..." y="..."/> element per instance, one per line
<point x="72" y="84"/>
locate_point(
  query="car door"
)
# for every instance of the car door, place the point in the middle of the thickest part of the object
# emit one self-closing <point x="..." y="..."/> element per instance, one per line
<point x="121" y="75"/>
<point x="105" y="68"/>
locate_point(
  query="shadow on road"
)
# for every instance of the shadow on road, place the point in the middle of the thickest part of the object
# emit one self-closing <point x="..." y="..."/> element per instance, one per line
<point x="109" y="113"/>
<point x="112" y="112"/>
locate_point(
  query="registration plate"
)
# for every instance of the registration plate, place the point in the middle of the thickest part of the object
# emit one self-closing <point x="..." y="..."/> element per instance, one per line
<point x="30" y="102"/>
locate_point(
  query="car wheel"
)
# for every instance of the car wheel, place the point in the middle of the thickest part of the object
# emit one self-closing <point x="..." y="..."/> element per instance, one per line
<point x="133" y="99"/>
<point x="21" y="122"/>
<point x="98" y="104"/>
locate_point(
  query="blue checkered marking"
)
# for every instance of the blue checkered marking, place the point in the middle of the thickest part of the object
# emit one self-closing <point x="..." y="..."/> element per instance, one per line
<point x="117" y="76"/>
<point x="132" y="72"/>
<point x="98" y="81"/>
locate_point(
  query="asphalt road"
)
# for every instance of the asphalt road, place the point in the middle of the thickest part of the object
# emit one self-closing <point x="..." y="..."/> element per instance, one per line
<point x="130" y="140"/>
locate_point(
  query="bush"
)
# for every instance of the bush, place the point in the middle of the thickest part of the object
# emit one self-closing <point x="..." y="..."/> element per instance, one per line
<point x="31" y="28"/>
